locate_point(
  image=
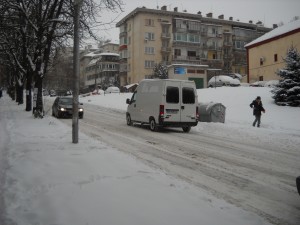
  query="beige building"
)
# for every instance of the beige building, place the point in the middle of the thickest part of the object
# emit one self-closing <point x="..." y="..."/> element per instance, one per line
<point x="266" y="54"/>
<point x="151" y="36"/>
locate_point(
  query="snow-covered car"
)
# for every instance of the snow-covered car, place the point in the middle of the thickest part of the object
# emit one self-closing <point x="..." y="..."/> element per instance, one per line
<point x="258" y="84"/>
<point x="223" y="80"/>
<point x="235" y="76"/>
<point x="271" y="83"/>
<point x="63" y="107"/>
<point x="110" y="90"/>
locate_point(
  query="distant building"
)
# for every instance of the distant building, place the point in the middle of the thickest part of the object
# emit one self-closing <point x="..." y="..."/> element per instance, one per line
<point x="103" y="71"/>
<point x="151" y="36"/>
<point x="266" y="53"/>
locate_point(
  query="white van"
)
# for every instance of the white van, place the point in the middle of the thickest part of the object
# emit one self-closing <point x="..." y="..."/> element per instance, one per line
<point x="164" y="103"/>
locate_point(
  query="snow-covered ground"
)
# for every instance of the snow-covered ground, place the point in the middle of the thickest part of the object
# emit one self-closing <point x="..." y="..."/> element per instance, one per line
<point x="50" y="180"/>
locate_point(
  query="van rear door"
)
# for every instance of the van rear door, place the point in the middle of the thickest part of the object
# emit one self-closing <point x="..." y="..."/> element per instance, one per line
<point x="172" y="103"/>
<point x="188" y="102"/>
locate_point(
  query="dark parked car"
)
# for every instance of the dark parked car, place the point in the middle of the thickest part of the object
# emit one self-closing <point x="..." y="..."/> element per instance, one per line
<point x="63" y="107"/>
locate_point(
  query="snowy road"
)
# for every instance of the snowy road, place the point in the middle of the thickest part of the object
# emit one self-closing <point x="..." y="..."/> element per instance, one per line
<point x="256" y="176"/>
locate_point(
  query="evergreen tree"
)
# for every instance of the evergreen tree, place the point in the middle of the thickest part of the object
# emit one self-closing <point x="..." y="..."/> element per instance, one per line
<point x="160" y="71"/>
<point x="287" y="92"/>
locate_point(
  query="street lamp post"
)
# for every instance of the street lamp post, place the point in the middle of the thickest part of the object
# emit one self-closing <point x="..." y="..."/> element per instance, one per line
<point x="77" y="4"/>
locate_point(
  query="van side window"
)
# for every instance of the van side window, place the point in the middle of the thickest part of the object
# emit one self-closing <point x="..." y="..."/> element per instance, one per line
<point x="172" y="94"/>
<point x="188" y="95"/>
<point x="133" y="98"/>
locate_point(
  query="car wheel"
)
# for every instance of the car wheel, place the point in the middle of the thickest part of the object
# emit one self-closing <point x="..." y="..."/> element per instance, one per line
<point x="152" y="123"/>
<point x="128" y="119"/>
<point x="186" y="129"/>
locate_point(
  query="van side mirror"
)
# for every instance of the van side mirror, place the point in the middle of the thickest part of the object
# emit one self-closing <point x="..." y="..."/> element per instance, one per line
<point x="128" y="101"/>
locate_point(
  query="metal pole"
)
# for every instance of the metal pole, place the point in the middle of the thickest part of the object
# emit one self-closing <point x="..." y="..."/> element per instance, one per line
<point x="76" y="72"/>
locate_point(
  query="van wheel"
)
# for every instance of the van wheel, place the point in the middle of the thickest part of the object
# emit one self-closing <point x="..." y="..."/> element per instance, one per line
<point x="186" y="129"/>
<point x="153" y="126"/>
<point x="128" y="119"/>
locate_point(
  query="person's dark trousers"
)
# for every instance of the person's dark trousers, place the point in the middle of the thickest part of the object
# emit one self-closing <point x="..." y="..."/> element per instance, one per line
<point x="257" y="119"/>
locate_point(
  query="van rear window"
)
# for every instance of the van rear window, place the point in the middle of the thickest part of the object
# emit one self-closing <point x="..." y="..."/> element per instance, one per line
<point x="172" y="94"/>
<point x="188" y="95"/>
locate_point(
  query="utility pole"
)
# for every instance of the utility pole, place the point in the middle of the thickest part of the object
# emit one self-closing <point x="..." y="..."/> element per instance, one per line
<point x="77" y="4"/>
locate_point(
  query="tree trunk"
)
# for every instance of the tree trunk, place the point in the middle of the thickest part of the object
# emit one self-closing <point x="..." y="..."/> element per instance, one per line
<point x="19" y="98"/>
<point x="28" y="92"/>
<point x="39" y="101"/>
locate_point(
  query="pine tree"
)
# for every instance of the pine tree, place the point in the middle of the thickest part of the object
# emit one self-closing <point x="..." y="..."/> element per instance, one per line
<point x="160" y="71"/>
<point x="287" y="92"/>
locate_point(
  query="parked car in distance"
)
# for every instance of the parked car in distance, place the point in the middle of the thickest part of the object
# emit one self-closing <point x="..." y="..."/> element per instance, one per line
<point x="52" y="93"/>
<point x="271" y="83"/>
<point x="110" y="90"/>
<point x="63" y="107"/>
<point x="223" y="80"/>
<point x="235" y="76"/>
<point x="258" y="84"/>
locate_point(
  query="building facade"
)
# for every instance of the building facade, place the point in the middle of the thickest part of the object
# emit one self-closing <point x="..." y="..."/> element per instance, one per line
<point x="150" y="36"/>
<point x="266" y="54"/>
<point x="103" y="71"/>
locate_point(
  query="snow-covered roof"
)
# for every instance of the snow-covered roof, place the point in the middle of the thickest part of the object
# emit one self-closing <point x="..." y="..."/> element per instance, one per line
<point x="294" y="25"/>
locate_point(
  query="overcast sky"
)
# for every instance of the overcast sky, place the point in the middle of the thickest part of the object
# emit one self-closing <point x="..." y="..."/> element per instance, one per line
<point x="268" y="11"/>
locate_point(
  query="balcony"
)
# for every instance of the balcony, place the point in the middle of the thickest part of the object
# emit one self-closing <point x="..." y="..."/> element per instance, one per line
<point x="227" y="44"/>
<point x="165" y="49"/>
<point x="166" y="35"/>
<point x="185" y="59"/>
<point x="186" y="44"/>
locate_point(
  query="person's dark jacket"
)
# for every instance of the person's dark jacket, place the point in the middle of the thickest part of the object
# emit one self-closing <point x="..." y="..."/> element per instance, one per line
<point x="257" y="108"/>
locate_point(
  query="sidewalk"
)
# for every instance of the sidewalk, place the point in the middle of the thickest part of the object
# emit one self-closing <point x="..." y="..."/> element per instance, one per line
<point x="50" y="180"/>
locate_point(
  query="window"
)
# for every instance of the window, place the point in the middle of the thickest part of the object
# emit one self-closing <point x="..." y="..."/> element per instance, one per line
<point x="149" y="64"/>
<point x="172" y="95"/>
<point x="191" y="53"/>
<point x="275" y="58"/>
<point x="177" y="52"/>
<point x="188" y="95"/>
<point x="149" y="22"/>
<point x="149" y="50"/>
<point x="149" y="36"/>
<point x="261" y="61"/>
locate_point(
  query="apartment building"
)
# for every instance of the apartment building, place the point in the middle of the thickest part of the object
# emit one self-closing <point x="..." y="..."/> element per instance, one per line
<point x="152" y="36"/>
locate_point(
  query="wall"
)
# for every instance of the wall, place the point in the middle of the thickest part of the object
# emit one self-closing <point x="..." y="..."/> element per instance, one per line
<point x="267" y="71"/>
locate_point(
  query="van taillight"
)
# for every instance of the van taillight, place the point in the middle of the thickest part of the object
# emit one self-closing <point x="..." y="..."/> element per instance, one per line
<point x="161" y="110"/>
<point x="197" y="113"/>
<point x="161" y="114"/>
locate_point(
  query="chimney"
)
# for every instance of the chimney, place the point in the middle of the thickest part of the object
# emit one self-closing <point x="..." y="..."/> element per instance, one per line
<point x="231" y="18"/>
<point x="259" y="23"/>
<point x="250" y="21"/>
<point x="176" y="9"/>
<point x="199" y="13"/>
<point x="221" y="17"/>
<point x="210" y="15"/>
<point x="164" y="8"/>
<point x="275" y="26"/>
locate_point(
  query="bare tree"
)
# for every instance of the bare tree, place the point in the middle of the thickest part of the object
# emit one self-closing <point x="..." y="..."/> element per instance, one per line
<point x="31" y="29"/>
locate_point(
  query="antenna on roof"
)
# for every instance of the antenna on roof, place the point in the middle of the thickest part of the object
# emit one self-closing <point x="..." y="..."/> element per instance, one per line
<point x="157" y="7"/>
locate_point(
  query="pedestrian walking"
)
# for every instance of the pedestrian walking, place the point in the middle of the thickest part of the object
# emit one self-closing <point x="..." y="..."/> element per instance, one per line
<point x="257" y="109"/>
